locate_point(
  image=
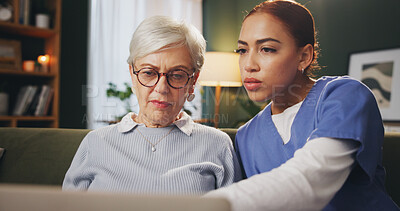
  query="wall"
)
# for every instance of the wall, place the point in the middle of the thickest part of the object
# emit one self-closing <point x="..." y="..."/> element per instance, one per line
<point x="343" y="26"/>
<point x="73" y="62"/>
<point x="346" y="27"/>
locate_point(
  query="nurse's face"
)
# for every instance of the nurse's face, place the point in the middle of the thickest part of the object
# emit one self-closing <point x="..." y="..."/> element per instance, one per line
<point x="269" y="57"/>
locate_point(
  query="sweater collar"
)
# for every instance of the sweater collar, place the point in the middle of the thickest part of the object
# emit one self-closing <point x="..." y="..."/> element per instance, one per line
<point x="184" y="123"/>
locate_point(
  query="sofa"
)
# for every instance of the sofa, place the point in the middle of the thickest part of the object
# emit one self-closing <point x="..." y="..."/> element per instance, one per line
<point x="41" y="156"/>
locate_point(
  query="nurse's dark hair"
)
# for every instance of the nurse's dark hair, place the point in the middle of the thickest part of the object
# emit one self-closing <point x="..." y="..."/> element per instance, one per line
<point x="299" y="22"/>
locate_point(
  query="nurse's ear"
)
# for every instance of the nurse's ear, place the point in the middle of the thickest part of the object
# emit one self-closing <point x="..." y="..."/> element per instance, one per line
<point x="306" y="55"/>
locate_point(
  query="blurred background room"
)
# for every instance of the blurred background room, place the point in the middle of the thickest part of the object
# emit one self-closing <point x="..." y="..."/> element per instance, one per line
<point x="83" y="81"/>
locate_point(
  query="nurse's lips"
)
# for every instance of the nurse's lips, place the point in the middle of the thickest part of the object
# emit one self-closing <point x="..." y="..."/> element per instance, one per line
<point x="160" y="104"/>
<point x="251" y="84"/>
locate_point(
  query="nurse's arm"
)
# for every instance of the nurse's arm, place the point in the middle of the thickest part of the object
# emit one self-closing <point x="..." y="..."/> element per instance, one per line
<point x="308" y="181"/>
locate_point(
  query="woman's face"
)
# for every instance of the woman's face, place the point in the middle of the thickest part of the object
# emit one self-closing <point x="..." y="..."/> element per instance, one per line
<point x="269" y="57"/>
<point x="160" y="104"/>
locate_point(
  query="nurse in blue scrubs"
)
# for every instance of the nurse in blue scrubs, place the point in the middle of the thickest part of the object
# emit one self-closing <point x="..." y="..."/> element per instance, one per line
<point x="318" y="144"/>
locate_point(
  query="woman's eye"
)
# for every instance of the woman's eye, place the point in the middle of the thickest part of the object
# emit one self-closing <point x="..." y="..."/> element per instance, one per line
<point x="240" y="51"/>
<point x="148" y="73"/>
<point x="268" y="50"/>
<point x="178" y="75"/>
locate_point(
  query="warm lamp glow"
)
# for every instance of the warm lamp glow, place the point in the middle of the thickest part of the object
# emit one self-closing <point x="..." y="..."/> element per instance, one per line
<point x="220" y="69"/>
<point x="44" y="59"/>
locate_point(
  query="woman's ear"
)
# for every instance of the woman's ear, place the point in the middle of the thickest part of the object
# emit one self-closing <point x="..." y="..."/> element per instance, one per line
<point x="306" y="56"/>
<point x="131" y="70"/>
<point x="195" y="77"/>
<point x="134" y="81"/>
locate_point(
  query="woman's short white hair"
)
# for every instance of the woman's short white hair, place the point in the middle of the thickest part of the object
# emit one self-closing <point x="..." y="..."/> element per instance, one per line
<point x="162" y="32"/>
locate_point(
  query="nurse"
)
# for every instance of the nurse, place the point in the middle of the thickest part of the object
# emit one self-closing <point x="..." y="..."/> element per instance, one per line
<point x="317" y="145"/>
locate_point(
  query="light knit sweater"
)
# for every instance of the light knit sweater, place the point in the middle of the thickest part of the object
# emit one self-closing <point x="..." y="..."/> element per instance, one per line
<point x="191" y="159"/>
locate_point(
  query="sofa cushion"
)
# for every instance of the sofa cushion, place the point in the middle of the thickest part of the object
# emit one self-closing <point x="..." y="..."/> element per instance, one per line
<point x="37" y="156"/>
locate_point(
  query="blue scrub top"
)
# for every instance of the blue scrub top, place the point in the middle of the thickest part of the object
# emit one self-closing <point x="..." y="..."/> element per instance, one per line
<point x="335" y="107"/>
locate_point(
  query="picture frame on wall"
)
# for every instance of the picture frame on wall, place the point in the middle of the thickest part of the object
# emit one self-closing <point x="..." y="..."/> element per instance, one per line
<point x="380" y="71"/>
<point x="10" y="55"/>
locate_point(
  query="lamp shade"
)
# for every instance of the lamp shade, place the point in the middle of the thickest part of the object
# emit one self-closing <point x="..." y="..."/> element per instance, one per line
<point x="220" y="69"/>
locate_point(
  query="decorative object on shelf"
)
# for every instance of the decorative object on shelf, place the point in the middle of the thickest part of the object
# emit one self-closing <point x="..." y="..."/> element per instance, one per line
<point x="221" y="69"/>
<point x="42" y="21"/>
<point x="42" y="14"/>
<point x="3" y="103"/>
<point x="3" y="100"/>
<point x="37" y="66"/>
<point x="25" y="12"/>
<point x="123" y="95"/>
<point x="33" y="100"/>
<point x="28" y="66"/>
<point x="40" y="105"/>
<point x="44" y="61"/>
<point x="380" y="71"/>
<point x="6" y="10"/>
<point x="10" y="54"/>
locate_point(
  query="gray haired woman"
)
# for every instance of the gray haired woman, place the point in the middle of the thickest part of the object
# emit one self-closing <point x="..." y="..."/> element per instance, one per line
<point x="160" y="149"/>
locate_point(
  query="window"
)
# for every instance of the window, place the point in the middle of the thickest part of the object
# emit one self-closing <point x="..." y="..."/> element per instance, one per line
<point x="112" y="24"/>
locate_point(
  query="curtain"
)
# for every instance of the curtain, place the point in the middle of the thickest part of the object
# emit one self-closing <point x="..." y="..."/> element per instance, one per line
<point x="112" y="24"/>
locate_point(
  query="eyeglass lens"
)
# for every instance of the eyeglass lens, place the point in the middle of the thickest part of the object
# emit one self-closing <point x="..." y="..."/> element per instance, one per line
<point x="150" y="77"/>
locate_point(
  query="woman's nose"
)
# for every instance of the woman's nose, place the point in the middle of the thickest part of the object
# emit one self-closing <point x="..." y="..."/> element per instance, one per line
<point x="162" y="85"/>
<point x="250" y="63"/>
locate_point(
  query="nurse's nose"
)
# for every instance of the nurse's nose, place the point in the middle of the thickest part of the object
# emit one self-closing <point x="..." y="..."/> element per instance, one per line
<point x="250" y="63"/>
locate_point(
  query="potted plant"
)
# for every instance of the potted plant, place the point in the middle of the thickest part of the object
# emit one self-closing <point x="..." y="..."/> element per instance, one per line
<point x="252" y="108"/>
<point x="123" y="95"/>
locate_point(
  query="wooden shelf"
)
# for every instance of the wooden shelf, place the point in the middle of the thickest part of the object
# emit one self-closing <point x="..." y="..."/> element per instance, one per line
<point x="28" y="121"/>
<point x="27" y="118"/>
<point x="27" y="74"/>
<point x="33" y="41"/>
<point x="26" y="30"/>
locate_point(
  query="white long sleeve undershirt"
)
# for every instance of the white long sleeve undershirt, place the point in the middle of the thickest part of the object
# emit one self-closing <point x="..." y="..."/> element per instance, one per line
<point x="308" y="181"/>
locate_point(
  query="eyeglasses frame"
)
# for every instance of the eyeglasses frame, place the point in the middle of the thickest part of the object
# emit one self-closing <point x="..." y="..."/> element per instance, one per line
<point x="162" y="74"/>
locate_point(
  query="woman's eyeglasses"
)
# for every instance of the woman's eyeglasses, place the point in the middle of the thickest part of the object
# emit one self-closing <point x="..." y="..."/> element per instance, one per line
<point x="149" y="77"/>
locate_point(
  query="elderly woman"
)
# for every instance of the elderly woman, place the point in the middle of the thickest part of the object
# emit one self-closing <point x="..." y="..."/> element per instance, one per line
<point x="160" y="149"/>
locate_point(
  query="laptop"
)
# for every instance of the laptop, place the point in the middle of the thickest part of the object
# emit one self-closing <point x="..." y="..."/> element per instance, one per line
<point x="45" y="198"/>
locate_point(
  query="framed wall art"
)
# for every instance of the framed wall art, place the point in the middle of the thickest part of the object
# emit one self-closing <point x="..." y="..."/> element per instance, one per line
<point x="10" y="55"/>
<point x="380" y="71"/>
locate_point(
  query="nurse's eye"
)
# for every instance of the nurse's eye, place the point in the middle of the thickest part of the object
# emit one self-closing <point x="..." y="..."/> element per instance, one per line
<point x="268" y="50"/>
<point x="240" y="51"/>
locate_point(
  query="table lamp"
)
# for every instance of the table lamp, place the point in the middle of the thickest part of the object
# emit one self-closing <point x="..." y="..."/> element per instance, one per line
<point x="221" y="69"/>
